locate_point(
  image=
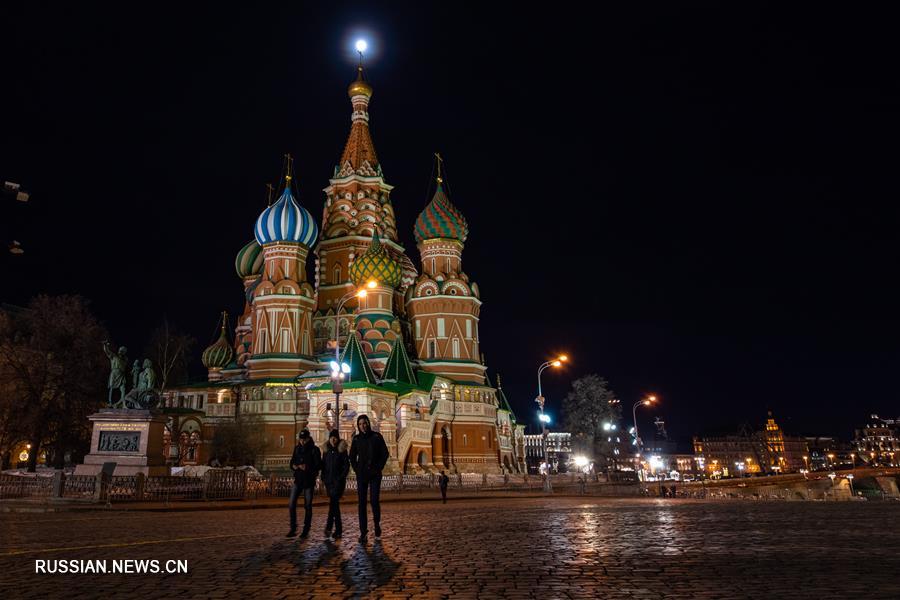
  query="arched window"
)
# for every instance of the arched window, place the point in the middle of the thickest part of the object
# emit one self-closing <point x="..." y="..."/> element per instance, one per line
<point x="455" y="347"/>
<point x="465" y="440"/>
<point x="336" y="273"/>
<point x="432" y="349"/>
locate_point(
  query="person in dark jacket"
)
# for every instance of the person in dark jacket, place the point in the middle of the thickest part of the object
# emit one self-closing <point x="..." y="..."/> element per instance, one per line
<point x="306" y="463"/>
<point x="443" y="482"/>
<point x="368" y="455"/>
<point x="335" y="467"/>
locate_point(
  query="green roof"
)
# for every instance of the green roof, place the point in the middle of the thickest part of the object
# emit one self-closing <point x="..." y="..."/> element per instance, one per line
<point x="504" y="403"/>
<point x="426" y="380"/>
<point x="398" y="367"/>
<point x="353" y="355"/>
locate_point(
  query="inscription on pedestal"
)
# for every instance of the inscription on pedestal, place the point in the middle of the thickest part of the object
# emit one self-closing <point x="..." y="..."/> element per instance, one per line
<point x="119" y="441"/>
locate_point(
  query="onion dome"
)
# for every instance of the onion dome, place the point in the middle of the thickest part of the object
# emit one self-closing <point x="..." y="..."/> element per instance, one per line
<point x="220" y="353"/>
<point x="359" y="87"/>
<point x="286" y="221"/>
<point x="441" y="219"/>
<point x="376" y="264"/>
<point x="249" y="261"/>
<point x="408" y="269"/>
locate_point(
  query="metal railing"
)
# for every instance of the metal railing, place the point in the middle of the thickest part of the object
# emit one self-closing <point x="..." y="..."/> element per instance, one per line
<point x="15" y="486"/>
<point x="234" y="484"/>
<point x="79" y="486"/>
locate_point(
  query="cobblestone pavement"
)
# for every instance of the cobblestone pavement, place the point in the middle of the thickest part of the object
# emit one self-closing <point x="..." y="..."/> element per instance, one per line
<point x="517" y="548"/>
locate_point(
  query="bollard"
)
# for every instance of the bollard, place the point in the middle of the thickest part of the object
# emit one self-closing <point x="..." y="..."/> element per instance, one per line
<point x="58" y="486"/>
<point x="99" y="485"/>
<point x="139" y="480"/>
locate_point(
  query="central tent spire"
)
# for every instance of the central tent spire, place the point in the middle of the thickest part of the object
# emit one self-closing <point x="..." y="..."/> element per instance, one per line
<point x="359" y="153"/>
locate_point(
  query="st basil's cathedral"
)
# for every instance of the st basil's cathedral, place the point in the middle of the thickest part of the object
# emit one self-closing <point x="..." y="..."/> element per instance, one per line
<point x="411" y="340"/>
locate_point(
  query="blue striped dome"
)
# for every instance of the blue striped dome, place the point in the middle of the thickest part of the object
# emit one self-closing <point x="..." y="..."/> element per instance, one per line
<point x="286" y="221"/>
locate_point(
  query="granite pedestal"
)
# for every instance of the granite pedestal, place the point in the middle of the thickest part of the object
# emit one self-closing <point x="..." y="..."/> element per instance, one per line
<point x="133" y="439"/>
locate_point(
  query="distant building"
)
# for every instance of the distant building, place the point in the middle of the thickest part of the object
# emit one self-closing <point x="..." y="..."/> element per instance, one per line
<point x="768" y="451"/>
<point x="559" y="452"/>
<point x="878" y="442"/>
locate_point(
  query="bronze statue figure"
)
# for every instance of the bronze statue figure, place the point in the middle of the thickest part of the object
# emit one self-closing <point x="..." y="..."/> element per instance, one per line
<point x="117" y="365"/>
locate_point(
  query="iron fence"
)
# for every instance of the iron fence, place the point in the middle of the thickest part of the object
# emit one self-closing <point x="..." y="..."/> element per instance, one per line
<point x="167" y="488"/>
<point x="80" y="486"/>
<point x="123" y="487"/>
<point x="17" y="486"/>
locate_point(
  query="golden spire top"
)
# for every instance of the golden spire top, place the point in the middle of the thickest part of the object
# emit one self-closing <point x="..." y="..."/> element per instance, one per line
<point x="288" y="168"/>
<point x="224" y="320"/>
<point x="270" y="190"/>
<point x="360" y="87"/>
<point x="440" y="162"/>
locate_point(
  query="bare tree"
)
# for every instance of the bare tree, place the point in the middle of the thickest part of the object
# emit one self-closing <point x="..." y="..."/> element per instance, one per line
<point x="239" y="442"/>
<point x="170" y="350"/>
<point x="53" y="367"/>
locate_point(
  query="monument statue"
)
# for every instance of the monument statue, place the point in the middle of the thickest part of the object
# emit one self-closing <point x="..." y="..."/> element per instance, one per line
<point x="135" y="373"/>
<point x="144" y="396"/>
<point x="117" y="365"/>
<point x="147" y="379"/>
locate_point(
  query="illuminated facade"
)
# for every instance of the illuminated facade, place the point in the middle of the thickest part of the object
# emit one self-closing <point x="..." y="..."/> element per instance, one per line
<point x="878" y="443"/>
<point x="412" y="342"/>
<point x="768" y="451"/>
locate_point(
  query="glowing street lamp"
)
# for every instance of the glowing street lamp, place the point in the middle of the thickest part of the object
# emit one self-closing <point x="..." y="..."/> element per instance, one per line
<point x="850" y="480"/>
<point x="556" y="362"/>
<point x="646" y="401"/>
<point x="339" y="369"/>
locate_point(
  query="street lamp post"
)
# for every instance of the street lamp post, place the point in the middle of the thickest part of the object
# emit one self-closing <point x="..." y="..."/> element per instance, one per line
<point x="850" y="479"/>
<point x="556" y="362"/>
<point x="338" y="369"/>
<point x="637" y="438"/>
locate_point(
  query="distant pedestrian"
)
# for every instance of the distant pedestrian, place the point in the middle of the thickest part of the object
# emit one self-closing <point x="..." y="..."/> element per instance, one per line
<point x="335" y="467"/>
<point x="368" y="455"/>
<point x="305" y="462"/>
<point x="672" y="490"/>
<point x="443" y="482"/>
<point x="581" y="485"/>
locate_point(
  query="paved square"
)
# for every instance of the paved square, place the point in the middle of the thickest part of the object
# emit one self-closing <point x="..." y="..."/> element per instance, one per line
<point x="517" y="548"/>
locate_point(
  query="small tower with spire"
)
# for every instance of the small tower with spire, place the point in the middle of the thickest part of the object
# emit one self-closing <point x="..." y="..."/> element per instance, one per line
<point x="379" y="274"/>
<point x="444" y="305"/>
<point x="218" y="355"/>
<point x="283" y="300"/>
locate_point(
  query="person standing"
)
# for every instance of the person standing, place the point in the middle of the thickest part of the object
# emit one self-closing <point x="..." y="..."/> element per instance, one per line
<point x="335" y="467"/>
<point x="368" y="455"/>
<point x="305" y="462"/>
<point x="443" y="482"/>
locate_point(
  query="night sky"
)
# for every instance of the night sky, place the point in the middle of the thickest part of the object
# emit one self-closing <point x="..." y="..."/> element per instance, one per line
<point x="699" y="202"/>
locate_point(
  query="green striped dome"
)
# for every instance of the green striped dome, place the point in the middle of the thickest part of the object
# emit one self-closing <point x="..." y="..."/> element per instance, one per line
<point x="249" y="261"/>
<point x="376" y="264"/>
<point x="441" y="219"/>
<point x="220" y="353"/>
